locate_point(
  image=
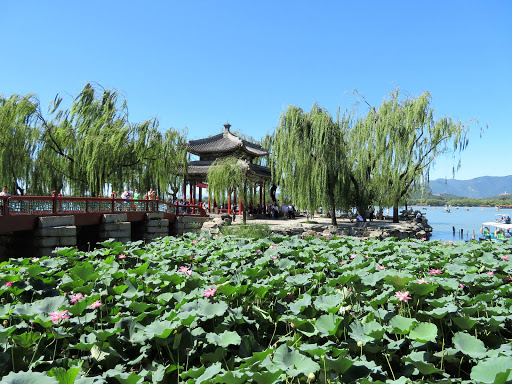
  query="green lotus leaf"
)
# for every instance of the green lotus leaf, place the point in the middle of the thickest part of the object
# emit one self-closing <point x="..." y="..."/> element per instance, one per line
<point x="209" y="310"/>
<point x="399" y="280"/>
<point x="469" y="345"/>
<point x="160" y="329"/>
<point x="497" y="370"/>
<point x="140" y="270"/>
<point x="124" y="377"/>
<point x="327" y="325"/>
<point x="63" y="376"/>
<point x="266" y="377"/>
<point x="372" y="279"/>
<point x="293" y="362"/>
<point x="441" y="312"/>
<point x="422" y="289"/>
<point x="367" y="332"/>
<point x="28" y="378"/>
<point x="46" y="306"/>
<point x="340" y="365"/>
<point x="84" y="271"/>
<point x="421" y="361"/>
<point x="424" y="332"/>
<point x="231" y="377"/>
<point x="464" y="323"/>
<point x="224" y="339"/>
<point x="329" y="303"/>
<point x="299" y="305"/>
<point x="401" y="325"/>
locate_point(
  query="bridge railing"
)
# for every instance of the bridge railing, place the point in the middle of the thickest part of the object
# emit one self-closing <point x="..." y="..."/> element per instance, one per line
<point x="59" y="205"/>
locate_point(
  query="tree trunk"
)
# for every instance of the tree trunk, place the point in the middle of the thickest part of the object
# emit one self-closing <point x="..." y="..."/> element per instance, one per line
<point x="333" y="208"/>
<point x="395" y="212"/>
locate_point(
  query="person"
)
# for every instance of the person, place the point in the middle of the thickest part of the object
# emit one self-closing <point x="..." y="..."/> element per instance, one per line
<point x="126" y="195"/>
<point x="371" y="211"/>
<point x="418" y="217"/>
<point x="4" y="192"/>
<point x="284" y="209"/>
<point x="151" y="194"/>
<point x="136" y="196"/>
<point x="359" y="217"/>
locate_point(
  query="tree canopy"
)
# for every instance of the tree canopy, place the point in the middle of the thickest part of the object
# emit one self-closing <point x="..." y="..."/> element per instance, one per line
<point x="89" y="148"/>
<point x="378" y="158"/>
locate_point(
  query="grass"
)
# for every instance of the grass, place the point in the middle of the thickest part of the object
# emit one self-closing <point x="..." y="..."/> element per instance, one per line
<point x="251" y="231"/>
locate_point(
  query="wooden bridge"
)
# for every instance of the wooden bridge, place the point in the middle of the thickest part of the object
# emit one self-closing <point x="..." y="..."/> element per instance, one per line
<point x="36" y="224"/>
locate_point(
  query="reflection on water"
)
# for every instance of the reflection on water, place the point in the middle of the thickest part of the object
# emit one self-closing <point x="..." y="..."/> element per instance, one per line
<point x="467" y="219"/>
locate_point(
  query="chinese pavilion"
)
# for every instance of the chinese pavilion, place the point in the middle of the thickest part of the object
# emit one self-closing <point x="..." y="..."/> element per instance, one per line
<point x="219" y="146"/>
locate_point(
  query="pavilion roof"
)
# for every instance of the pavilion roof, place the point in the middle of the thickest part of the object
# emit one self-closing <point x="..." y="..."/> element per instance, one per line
<point x="223" y="143"/>
<point x="200" y="169"/>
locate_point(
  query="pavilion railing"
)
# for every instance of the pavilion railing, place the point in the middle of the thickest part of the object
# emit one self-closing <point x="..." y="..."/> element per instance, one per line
<point x="59" y="205"/>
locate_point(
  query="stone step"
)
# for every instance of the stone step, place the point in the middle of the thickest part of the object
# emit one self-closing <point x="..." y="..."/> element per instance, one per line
<point x="56" y="221"/>
<point x="61" y="231"/>
<point x="124" y="226"/>
<point x="114" y="218"/>
<point x="157" y="223"/>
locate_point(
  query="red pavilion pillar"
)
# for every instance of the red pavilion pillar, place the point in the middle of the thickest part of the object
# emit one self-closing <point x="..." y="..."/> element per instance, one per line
<point x="229" y="203"/>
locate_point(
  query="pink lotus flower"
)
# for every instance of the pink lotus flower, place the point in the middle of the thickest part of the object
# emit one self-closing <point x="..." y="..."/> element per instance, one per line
<point x="342" y="262"/>
<point x="96" y="304"/>
<point x="76" y="297"/>
<point x="445" y="243"/>
<point x="274" y="257"/>
<point x="490" y="273"/>
<point x="381" y="267"/>
<point x="423" y="239"/>
<point x="122" y="256"/>
<point x="194" y="241"/>
<point x="326" y="234"/>
<point x="258" y="251"/>
<point x="506" y="257"/>
<point x="210" y="292"/>
<point x="403" y="296"/>
<point x="35" y="259"/>
<point x="274" y="247"/>
<point x="185" y="270"/>
<point x="461" y="286"/>
<point x="8" y="284"/>
<point x="56" y="316"/>
<point x="352" y="256"/>
<point x="203" y="238"/>
<point x="421" y="281"/>
<point x="435" y="272"/>
<point x="292" y="325"/>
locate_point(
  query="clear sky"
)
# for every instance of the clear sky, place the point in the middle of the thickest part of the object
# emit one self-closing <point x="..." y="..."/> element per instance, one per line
<point x="198" y="64"/>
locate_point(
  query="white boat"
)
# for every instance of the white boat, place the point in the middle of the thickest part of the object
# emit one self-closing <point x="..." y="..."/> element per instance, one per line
<point x="497" y="230"/>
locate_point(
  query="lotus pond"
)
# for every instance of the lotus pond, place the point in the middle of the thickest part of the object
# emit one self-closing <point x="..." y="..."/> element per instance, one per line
<point x="280" y="310"/>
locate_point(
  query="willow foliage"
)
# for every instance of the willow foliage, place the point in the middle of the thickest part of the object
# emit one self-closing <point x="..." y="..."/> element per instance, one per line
<point x="224" y="176"/>
<point x="309" y="159"/>
<point x="18" y="140"/>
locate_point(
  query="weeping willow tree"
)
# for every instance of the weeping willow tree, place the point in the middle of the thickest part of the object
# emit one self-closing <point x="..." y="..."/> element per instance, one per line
<point x="226" y="175"/>
<point x="411" y="138"/>
<point x="94" y="145"/>
<point x="18" y="141"/>
<point x="309" y="159"/>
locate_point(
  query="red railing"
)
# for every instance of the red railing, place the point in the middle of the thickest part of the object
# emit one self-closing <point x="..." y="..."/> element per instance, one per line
<point x="59" y="205"/>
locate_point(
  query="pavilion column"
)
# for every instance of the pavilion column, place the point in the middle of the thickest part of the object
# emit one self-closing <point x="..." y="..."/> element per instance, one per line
<point x="200" y="195"/>
<point x="229" y="203"/>
<point x="190" y="197"/>
<point x="209" y="208"/>
<point x="261" y="201"/>
<point x="234" y="198"/>
<point x="264" y="198"/>
<point x="184" y="189"/>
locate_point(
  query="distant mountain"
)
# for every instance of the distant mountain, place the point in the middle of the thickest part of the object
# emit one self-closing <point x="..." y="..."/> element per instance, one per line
<point x="480" y="187"/>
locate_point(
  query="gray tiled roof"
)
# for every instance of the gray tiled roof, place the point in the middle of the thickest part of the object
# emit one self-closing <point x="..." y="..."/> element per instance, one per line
<point x="224" y="142"/>
<point x="197" y="168"/>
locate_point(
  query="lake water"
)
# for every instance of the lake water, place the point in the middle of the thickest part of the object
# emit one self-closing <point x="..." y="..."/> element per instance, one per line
<point x="461" y="218"/>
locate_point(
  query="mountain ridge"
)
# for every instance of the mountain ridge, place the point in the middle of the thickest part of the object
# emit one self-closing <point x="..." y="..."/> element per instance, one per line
<point x="479" y="187"/>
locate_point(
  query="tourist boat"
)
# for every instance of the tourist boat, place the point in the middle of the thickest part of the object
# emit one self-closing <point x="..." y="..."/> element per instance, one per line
<point x="497" y="230"/>
<point x="447" y="209"/>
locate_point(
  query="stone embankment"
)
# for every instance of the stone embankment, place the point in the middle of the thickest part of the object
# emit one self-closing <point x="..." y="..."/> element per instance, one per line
<point x="377" y="229"/>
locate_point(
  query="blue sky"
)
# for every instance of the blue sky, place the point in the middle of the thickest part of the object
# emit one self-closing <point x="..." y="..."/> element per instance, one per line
<point x="198" y="64"/>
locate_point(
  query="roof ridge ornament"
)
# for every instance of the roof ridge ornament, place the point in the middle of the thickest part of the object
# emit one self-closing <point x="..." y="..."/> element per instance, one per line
<point x="227" y="126"/>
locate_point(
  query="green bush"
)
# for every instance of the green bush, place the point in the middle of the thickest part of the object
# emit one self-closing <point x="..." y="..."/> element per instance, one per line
<point x="249" y="231"/>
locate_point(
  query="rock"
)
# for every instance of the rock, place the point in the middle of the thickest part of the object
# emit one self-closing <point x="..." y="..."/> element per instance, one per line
<point x="308" y="233"/>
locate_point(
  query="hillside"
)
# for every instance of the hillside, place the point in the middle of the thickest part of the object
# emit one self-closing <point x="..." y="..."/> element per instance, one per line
<point x="480" y="187"/>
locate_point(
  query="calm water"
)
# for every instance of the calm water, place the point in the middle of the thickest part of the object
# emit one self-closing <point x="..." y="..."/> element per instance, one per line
<point x="461" y="218"/>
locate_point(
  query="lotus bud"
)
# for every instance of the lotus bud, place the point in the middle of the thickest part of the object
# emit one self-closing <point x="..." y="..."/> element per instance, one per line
<point x="360" y="344"/>
<point x="311" y="376"/>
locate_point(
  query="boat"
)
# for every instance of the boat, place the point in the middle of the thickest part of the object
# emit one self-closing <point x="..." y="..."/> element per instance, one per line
<point x="497" y="230"/>
<point x="447" y="209"/>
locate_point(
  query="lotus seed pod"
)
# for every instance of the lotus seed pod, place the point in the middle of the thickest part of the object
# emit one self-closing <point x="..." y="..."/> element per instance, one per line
<point x="359" y="343"/>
